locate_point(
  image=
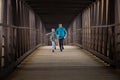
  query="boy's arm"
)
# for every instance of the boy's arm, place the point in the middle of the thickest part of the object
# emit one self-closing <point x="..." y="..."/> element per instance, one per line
<point x="65" y="33"/>
<point x="57" y="33"/>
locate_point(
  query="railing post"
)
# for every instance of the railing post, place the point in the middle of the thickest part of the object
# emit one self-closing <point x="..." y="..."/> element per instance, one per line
<point x="117" y="33"/>
<point x="0" y="44"/>
<point x="15" y="43"/>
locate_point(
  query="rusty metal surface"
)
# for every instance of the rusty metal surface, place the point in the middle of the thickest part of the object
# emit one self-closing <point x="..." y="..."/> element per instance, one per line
<point x="20" y="34"/>
<point x="100" y="31"/>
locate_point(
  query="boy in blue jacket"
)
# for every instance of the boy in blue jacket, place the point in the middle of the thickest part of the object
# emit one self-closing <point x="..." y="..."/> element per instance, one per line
<point x="61" y="35"/>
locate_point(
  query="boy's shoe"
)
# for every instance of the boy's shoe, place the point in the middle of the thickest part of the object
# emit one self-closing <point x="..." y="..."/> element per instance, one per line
<point x="52" y="50"/>
<point x="63" y="48"/>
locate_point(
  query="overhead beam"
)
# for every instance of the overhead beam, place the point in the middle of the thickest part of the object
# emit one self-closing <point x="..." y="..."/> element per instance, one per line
<point x="78" y="3"/>
<point x="58" y="10"/>
<point x="65" y="1"/>
<point x="56" y="13"/>
<point x="52" y="8"/>
<point x="58" y="6"/>
<point x="50" y="14"/>
<point x="44" y="4"/>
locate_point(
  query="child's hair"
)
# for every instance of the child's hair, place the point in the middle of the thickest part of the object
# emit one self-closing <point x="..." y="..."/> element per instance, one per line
<point x="53" y="29"/>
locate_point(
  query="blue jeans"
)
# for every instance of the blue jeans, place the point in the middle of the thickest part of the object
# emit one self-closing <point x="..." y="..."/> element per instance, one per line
<point x="53" y="45"/>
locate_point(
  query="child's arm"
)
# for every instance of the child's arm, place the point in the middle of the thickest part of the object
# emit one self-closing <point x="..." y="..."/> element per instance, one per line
<point x="48" y="34"/>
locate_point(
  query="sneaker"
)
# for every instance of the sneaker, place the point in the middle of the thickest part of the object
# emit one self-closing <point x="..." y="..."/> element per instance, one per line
<point x="52" y="50"/>
<point x="55" y="48"/>
<point x="62" y="47"/>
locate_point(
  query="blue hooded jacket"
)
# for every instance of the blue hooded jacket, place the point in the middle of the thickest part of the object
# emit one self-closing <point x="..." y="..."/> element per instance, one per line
<point x="61" y="33"/>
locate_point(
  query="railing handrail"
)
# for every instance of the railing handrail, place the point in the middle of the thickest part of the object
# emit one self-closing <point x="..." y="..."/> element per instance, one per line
<point x="20" y="27"/>
<point x="16" y="27"/>
<point x="110" y="25"/>
<point x="100" y="26"/>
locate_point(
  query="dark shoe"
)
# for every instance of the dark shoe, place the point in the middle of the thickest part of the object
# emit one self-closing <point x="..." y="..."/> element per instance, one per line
<point x="63" y="48"/>
<point x="52" y="50"/>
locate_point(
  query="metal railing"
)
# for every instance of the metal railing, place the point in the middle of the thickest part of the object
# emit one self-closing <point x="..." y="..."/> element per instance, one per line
<point x="101" y="41"/>
<point x="16" y="43"/>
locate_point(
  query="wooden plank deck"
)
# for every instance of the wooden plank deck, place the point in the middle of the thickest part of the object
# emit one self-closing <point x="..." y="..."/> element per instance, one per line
<point x="71" y="64"/>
